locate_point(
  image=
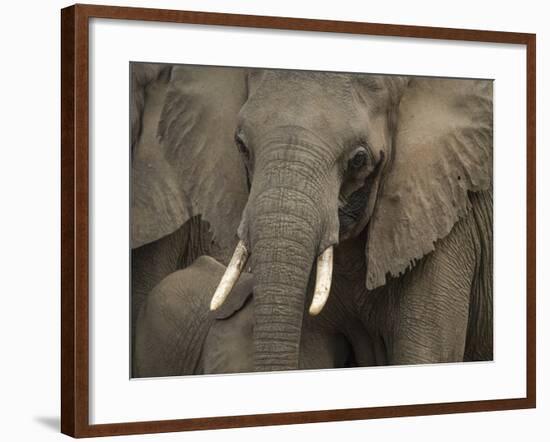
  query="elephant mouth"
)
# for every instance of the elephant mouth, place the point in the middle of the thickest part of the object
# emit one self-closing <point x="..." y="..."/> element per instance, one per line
<point x="351" y="209"/>
<point x="323" y="279"/>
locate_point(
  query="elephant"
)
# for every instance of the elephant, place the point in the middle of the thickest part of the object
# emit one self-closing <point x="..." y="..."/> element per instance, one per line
<point x="361" y="205"/>
<point x="152" y="260"/>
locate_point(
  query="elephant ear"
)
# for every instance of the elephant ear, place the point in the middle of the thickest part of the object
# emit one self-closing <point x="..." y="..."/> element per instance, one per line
<point x="442" y="149"/>
<point x="144" y="77"/>
<point x="186" y="162"/>
<point x="151" y="173"/>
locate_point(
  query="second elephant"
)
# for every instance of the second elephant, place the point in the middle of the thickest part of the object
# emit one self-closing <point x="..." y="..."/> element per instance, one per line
<point x="178" y="335"/>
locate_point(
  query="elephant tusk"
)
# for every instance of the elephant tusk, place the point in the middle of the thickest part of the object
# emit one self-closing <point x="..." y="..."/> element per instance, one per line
<point x="231" y="275"/>
<point x="323" y="281"/>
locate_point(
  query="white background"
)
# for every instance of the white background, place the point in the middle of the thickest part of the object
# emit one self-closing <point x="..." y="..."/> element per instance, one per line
<point x="29" y="183"/>
<point x="114" y="398"/>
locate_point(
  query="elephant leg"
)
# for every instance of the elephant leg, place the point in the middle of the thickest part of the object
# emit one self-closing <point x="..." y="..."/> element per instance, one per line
<point x="432" y="311"/>
<point x="174" y="321"/>
<point x="368" y="350"/>
<point x="322" y="347"/>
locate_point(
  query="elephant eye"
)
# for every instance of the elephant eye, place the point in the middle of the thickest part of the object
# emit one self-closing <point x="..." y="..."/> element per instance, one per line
<point x="246" y="158"/>
<point x="358" y="159"/>
<point x="242" y="147"/>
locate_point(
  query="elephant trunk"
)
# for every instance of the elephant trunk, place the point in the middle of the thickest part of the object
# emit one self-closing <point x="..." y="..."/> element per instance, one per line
<point x="285" y="239"/>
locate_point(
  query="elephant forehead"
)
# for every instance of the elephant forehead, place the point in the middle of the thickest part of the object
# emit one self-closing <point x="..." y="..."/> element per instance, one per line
<point x="313" y="100"/>
<point x="301" y="87"/>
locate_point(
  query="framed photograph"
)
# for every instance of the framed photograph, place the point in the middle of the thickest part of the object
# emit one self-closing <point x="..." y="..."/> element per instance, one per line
<point x="272" y="220"/>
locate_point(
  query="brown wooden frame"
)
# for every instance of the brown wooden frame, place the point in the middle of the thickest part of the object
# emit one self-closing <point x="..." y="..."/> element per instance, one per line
<point x="74" y="219"/>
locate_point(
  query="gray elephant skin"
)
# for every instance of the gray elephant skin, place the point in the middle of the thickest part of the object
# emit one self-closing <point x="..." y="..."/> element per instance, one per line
<point x="392" y="175"/>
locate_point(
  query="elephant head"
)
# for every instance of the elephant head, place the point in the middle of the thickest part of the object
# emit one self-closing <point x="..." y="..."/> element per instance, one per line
<point x="284" y="165"/>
